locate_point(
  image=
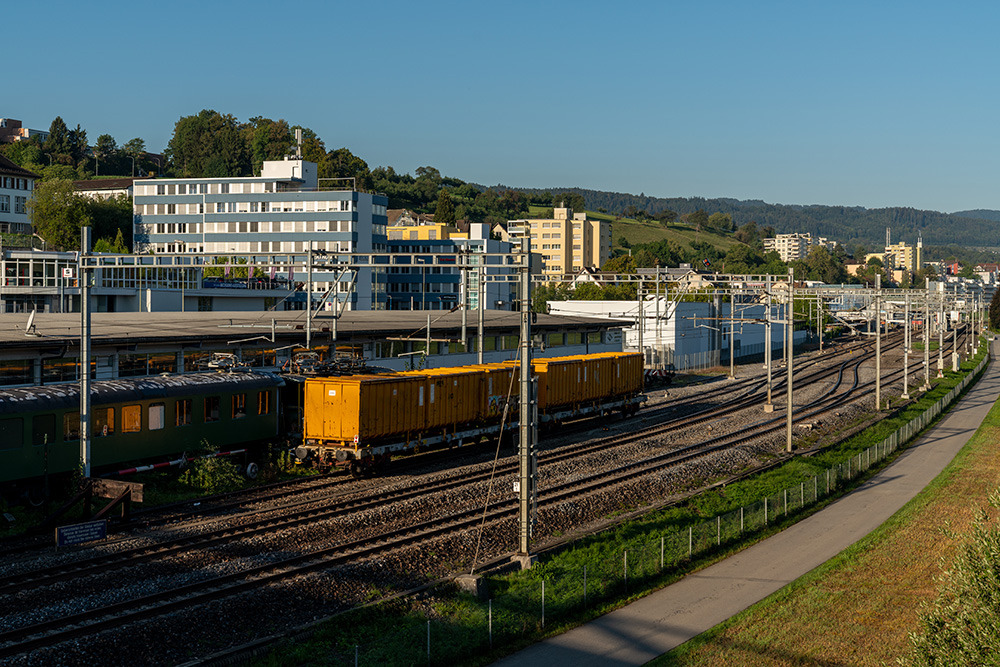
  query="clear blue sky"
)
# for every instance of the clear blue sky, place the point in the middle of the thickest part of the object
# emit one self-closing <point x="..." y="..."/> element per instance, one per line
<point x="800" y="102"/>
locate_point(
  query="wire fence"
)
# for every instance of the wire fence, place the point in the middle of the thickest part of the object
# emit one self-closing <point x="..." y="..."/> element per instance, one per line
<point x="549" y="593"/>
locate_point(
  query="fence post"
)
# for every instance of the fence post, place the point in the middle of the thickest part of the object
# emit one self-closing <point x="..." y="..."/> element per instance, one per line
<point x="356" y="655"/>
<point x="543" y="603"/>
<point x="785" y="493"/>
<point x="815" y="488"/>
<point x="802" y="495"/>
<point x="626" y="570"/>
<point x="661" y="553"/>
<point x="428" y="642"/>
<point x="718" y="530"/>
<point x="741" y="519"/>
<point x="690" y="541"/>
<point x="491" y="624"/>
<point x="765" y="510"/>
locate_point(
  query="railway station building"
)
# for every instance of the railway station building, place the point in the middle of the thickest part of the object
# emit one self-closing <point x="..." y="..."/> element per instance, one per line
<point x="141" y="344"/>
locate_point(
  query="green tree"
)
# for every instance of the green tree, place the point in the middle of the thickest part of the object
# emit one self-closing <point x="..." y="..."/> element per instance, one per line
<point x="209" y="144"/>
<point x="342" y="163"/>
<point x="722" y="222"/>
<point x="822" y="265"/>
<point x="269" y="140"/>
<point x="570" y="200"/>
<point x="445" y="210"/>
<point x="665" y="216"/>
<point x="58" y="142"/>
<point x="698" y="219"/>
<point x="57" y="213"/>
<point x="134" y="147"/>
<point x="995" y="311"/>
<point x="620" y="264"/>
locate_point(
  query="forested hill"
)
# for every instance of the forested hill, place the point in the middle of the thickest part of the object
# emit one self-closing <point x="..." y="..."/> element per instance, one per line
<point x="847" y="225"/>
<point x="981" y="214"/>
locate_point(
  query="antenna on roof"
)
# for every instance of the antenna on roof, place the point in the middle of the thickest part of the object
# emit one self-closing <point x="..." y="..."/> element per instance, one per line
<point x="298" y="141"/>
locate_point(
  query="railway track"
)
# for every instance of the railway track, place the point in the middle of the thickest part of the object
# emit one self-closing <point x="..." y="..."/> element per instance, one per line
<point x="86" y="623"/>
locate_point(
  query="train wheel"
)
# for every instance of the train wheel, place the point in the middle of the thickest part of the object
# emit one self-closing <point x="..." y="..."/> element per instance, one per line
<point x="251" y="471"/>
<point x="357" y="470"/>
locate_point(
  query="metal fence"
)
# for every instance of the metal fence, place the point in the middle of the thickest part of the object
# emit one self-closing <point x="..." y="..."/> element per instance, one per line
<point x="526" y="603"/>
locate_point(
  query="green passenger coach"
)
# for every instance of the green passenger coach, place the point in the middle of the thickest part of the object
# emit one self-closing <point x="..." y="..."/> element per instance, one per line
<point x="131" y="420"/>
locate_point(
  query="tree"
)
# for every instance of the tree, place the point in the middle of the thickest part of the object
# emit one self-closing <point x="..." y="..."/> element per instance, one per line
<point x="134" y="147"/>
<point x="570" y="200"/>
<point x="58" y="142"/>
<point x="995" y="311"/>
<point x="748" y="234"/>
<point x="620" y="264"/>
<point x="698" y="219"/>
<point x="665" y="216"/>
<point x="209" y="144"/>
<point x="822" y="266"/>
<point x="722" y="222"/>
<point x="269" y="140"/>
<point x="57" y="213"/>
<point x="106" y="146"/>
<point x="342" y="163"/>
<point x="445" y="210"/>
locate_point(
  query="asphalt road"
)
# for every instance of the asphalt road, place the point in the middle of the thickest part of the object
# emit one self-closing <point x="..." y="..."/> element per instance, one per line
<point x="663" y="620"/>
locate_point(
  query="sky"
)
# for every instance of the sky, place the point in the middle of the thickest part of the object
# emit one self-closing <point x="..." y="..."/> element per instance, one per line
<point x="839" y="103"/>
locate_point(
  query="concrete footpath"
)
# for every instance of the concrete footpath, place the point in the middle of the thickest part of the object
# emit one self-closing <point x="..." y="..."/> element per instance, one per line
<point x="667" y="618"/>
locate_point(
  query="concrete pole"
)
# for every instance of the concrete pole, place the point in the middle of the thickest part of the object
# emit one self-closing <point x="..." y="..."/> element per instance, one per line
<point x="906" y="349"/>
<point x="940" y="372"/>
<point x="309" y="296"/>
<point x="427" y="348"/>
<point x="656" y="329"/>
<point x="525" y="446"/>
<point x="789" y="344"/>
<point x="768" y="407"/>
<point x="482" y="298"/>
<point x="732" y="336"/>
<point x="84" y="278"/>
<point x="819" y="315"/>
<point x="642" y="318"/>
<point x="927" y="336"/>
<point x="465" y="297"/>
<point x="878" y="342"/>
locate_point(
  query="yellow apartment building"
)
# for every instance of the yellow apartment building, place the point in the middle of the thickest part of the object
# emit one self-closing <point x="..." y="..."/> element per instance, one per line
<point x="568" y="243"/>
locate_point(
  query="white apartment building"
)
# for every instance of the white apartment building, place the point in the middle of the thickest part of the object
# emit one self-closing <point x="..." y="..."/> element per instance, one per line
<point x="16" y="186"/>
<point x="796" y="246"/>
<point x="281" y="211"/>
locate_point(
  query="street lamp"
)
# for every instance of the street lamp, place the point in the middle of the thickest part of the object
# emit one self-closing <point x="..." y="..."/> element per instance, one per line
<point x="133" y="164"/>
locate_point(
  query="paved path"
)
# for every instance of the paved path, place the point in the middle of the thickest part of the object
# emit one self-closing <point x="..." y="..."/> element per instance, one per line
<point x="663" y="620"/>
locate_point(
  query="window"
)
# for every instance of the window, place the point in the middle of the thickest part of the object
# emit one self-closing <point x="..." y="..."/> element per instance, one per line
<point x="156" y="412"/>
<point x="71" y="426"/>
<point x="264" y="403"/>
<point x="161" y="189"/>
<point x="220" y="207"/>
<point x="183" y="416"/>
<point x="254" y="206"/>
<point x="212" y="408"/>
<point x="131" y="419"/>
<point x="104" y="422"/>
<point x="11" y="433"/>
<point x="239" y="406"/>
<point x="20" y="204"/>
<point x="203" y="188"/>
<point x="224" y="188"/>
<point x="4" y="203"/>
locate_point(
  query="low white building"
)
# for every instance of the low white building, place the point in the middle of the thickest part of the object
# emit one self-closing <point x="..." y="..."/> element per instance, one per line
<point x="687" y="335"/>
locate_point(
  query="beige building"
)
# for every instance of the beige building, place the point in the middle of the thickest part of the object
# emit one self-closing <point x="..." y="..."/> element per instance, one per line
<point x="905" y="256"/>
<point x="567" y="243"/>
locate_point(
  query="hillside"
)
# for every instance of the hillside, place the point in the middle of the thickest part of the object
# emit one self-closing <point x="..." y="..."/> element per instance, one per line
<point x="848" y="225"/>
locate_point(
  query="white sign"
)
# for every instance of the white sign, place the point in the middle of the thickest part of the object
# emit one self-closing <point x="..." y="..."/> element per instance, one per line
<point x="67" y="272"/>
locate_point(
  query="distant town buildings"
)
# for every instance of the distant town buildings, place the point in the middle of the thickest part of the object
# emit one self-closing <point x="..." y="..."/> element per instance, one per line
<point x="567" y="242"/>
<point x="12" y="130"/>
<point x="105" y="188"/>
<point x="792" y="247"/>
<point x="16" y="186"/>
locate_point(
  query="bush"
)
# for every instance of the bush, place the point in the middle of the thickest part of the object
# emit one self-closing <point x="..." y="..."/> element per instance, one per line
<point x="962" y="627"/>
<point x="215" y="475"/>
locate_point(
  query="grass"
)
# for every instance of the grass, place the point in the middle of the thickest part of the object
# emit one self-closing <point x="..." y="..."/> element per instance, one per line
<point x="516" y="597"/>
<point x="859" y="607"/>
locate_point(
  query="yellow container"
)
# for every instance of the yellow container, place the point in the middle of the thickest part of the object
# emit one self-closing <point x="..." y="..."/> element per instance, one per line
<point x="452" y="396"/>
<point x="366" y="407"/>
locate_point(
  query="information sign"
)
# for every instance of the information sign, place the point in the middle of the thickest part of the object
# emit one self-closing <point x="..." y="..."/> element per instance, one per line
<point x="81" y="532"/>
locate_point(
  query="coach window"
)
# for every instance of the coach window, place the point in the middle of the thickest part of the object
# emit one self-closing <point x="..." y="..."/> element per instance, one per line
<point x="183" y="417"/>
<point x="43" y="430"/>
<point x="156" y="412"/>
<point x="11" y="433"/>
<point x="104" y="422"/>
<point x="239" y="406"/>
<point x="131" y="419"/>
<point x="71" y="426"/>
<point x="212" y="408"/>
<point x="264" y="403"/>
